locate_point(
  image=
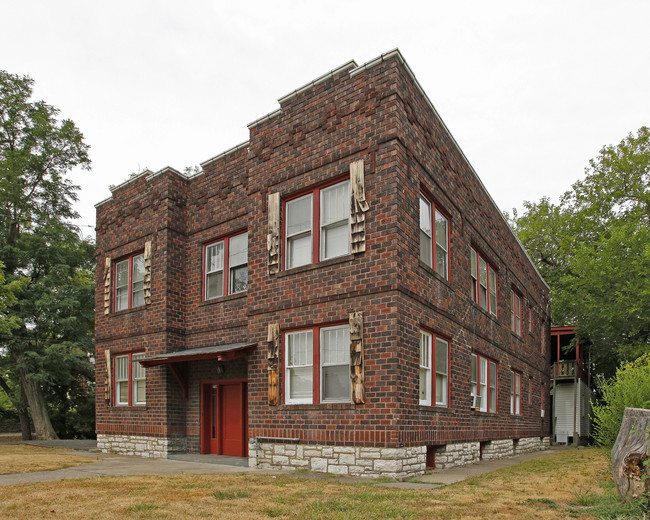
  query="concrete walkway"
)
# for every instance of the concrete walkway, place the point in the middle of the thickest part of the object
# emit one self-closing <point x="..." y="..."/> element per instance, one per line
<point x="120" y="465"/>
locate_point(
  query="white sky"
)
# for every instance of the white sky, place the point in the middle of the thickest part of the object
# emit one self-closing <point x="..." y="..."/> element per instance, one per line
<point x="531" y="90"/>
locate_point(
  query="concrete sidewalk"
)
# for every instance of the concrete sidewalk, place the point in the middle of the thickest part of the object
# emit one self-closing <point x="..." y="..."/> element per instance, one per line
<point x="120" y="465"/>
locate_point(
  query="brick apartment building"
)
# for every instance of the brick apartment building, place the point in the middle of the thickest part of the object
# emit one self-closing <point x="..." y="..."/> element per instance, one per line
<point x="339" y="293"/>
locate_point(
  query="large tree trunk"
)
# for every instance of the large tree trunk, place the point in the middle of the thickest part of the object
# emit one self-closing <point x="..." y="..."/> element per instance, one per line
<point x="23" y="416"/>
<point x="38" y="408"/>
<point x="630" y="453"/>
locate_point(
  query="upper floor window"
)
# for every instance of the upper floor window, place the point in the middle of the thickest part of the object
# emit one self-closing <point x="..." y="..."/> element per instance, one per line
<point x="434" y="225"/>
<point x="130" y="380"/>
<point x="434" y="358"/>
<point x="483" y="383"/>
<point x="329" y="208"/>
<point x="515" y="313"/>
<point x="129" y="282"/>
<point x="515" y="393"/>
<point x="226" y="266"/>
<point x="484" y="282"/>
<point x="317" y="365"/>
<point x="530" y="320"/>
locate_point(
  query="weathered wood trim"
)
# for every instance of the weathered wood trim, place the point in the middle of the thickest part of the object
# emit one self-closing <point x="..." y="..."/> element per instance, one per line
<point x="357" y="384"/>
<point x="358" y="208"/>
<point x="108" y="395"/>
<point x="108" y="269"/>
<point x="273" y="237"/>
<point x="273" y="357"/>
<point x="147" y="272"/>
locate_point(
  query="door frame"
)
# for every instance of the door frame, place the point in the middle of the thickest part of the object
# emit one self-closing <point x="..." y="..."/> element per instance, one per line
<point x="204" y="414"/>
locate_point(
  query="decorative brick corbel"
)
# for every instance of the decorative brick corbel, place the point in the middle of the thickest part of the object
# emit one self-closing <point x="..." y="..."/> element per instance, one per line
<point x="273" y="237"/>
<point x="108" y="269"/>
<point x="358" y="208"/>
<point x="357" y="384"/>
<point x="273" y="357"/>
<point x="147" y="272"/>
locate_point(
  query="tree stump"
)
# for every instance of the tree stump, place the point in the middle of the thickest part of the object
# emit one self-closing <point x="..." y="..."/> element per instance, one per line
<point x="630" y="453"/>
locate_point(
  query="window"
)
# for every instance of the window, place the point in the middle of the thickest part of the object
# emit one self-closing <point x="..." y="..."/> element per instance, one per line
<point x="484" y="282"/>
<point x="130" y="380"/>
<point x="530" y="320"/>
<point x="330" y="207"/>
<point x="317" y="365"/>
<point x="483" y="383"/>
<point x="515" y="393"/>
<point x="129" y="282"/>
<point x="432" y="220"/>
<point x="229" y="255"/>
<point x="433" y="360"/>
<point x="530" y="391"/>
<point x="515" y="313"/>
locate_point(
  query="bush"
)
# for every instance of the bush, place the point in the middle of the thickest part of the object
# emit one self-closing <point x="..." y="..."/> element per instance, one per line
<point x="629" y="388"/>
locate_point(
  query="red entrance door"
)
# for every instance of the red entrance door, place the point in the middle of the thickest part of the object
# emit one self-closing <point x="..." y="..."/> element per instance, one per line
<point x="223" y="417"/>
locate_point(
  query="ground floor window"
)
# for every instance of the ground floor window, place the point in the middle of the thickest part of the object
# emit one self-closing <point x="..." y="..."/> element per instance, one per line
<point x="483" y="383"/>
<point x="317" y="365"/>
<point x="130" y="380"/>
<point x="515" y="393"/>
<point x="434" y="359"/>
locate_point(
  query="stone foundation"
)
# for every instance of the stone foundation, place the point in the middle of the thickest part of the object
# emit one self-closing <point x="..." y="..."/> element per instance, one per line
<point x="143" y="446"/>
<point x="339" y="460"/>
<point x="385" y="462"/>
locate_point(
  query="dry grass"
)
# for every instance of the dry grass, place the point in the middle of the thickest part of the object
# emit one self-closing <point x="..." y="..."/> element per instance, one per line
<point x="544" y="489"/>
<point x="22" y="459"/>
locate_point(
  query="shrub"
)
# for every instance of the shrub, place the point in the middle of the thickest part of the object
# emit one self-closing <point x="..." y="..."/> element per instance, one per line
<point x="630" y="387"/>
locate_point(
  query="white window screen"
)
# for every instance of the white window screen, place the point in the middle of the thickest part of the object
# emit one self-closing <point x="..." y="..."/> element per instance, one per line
<point x="493" y="387"/>
<point x="122" y="379"/>
<point x="425" y="232"/>
<point x="299" y="374"/>
<point x="476" y="398"/>
<point x="122" y="285"/>
<point x="425" y="368"/>
<point x="139" y="379"/>
<point x="137" y="298"/>
<point x="298" y="230"/>
<point x="473" y="262"/>
<point x="517" y="394"/>
<point x="335" y="220"/>
<point x="238" y="263"/>
<point x="483" y="384"/>
<point x="442" y="349"/>
<point x="335" y="363"/>
<point x="483" y="282"/>
<point x="493" y="292"/>
<point x="441" y="244"/>
<point x="214" y="270"/>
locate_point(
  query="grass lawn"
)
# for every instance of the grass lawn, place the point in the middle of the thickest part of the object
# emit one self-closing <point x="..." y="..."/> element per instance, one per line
<point x="22" y="458"/>
<point x="569" y="484"/>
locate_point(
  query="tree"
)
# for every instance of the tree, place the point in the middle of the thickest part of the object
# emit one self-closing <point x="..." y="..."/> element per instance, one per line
<point x="593" y="249"/>
<point x="51" y="347"/>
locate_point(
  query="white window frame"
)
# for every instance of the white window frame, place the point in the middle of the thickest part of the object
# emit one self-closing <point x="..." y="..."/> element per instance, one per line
<point x="442" y="400"/>
<point x="345" y="221"/>
<point x="483" y="287"/>
<point x="515" y="314"/>
<point x="300" y="234"/>
<point x="306" y="364"/>
<point x="226" y="269"/>
<point x="130" y="284"/>
<point x="322" y="347"/>
<point x="483" y="383"/>
<point x="232" y="266"/>
<point x="128" y="374"/>
<point x="426" y="343"/>
<point x="139" y="374"/>
<point x="515" y="393"/>
<point x="430" y="242"/>
<point x="121" y="366"/>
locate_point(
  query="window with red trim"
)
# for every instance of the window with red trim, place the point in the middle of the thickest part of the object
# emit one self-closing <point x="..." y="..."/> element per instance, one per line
<point x="483" y="383"/>
<point x="434" y="237"/>
<point x="130" y="379"/>
<point x="484" y="282"/>
<point x="515" y="312"/>
<point x="515" y="393"/>
<point x="225" y="265"/>
<point x="129" y="282"/>
<point x="434" y="359"/>
<point x="530" y="320"/>
<point x="329" y="208"/>
<point x="317" y="365"/>
<point x="530" y="391"/>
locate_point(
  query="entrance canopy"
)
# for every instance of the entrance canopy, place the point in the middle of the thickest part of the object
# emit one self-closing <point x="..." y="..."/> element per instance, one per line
<point x="176" y="360"/>
<point x="218" y="352"/>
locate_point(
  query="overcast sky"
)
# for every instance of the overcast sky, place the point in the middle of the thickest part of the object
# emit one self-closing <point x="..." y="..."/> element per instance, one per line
<point x="531" y="90"/>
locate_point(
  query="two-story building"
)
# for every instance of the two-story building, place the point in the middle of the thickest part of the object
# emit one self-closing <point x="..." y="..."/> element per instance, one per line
<point x="339" y="293"/>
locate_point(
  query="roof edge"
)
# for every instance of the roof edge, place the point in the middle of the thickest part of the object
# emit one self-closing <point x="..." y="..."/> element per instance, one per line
<point x="224" y="154"/>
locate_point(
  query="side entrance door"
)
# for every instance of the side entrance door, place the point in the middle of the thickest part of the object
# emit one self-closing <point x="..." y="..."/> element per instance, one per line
<point x="224" y="411"/>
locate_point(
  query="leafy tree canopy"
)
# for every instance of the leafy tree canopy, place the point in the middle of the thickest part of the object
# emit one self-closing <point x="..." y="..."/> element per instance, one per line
<point x="593" y="249"/>
<point x="45" y="352"/>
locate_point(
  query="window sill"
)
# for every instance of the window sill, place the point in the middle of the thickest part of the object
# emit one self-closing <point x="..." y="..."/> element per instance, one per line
<point x="475" y="410"/>
<point x="432" y="272"/>
<point x="487" y="313"/>
<point x="515" y="335"/>
<point x="434" y="408"/>
<point x="128" y="311"/>
<point x="133" y="407"/>
<point x="325" y="263"/>
<point x="319" y="406"/>
<point x="222" y="299"/>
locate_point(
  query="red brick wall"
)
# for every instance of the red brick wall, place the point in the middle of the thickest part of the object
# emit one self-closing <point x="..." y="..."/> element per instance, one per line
<point x="378" y="116"/>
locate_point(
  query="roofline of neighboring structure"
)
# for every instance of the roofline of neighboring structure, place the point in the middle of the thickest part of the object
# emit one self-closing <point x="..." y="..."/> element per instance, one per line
<point x="224" y="154"/>
<point x="395" y="53"/>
